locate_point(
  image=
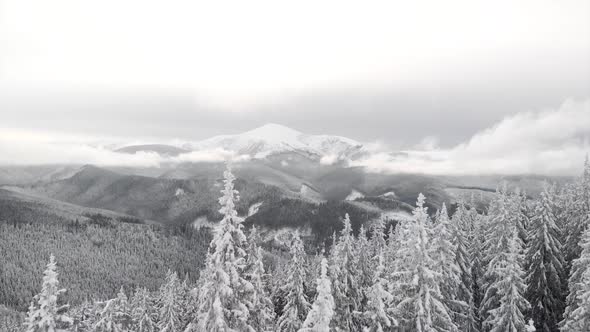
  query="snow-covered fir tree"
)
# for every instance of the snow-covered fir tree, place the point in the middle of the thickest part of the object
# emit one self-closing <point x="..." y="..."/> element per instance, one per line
<point x="576" y="228"/>
<point x="45" y="314"/>
<point x="347" y="292"/>
<point x="114" y="315"/>
<point x="143" y="312"/>
<point x="466" y="319"/>
<point x="224" y="297"/>
<point x="416" y="280"/>
<point x="509" y="315"/>
<point x="378" y="242"/>
<point x="580" y="317"/>
<point x="499" y="230"/>
<point x="379" y="313"/>
<point x="545" y="267"/>
<point x="577" y="286"/>
<point x="262" y="312"/>
<point x="296" y="303"/>
<point x="366" y="265"/>
<point x="170" y="304"/>
<point x="576" y="215"/>
<point x="477" y="238"/>
<point x="444" y="255"/>
<point x="321" y="313"/>
<point x="521" y="214"/>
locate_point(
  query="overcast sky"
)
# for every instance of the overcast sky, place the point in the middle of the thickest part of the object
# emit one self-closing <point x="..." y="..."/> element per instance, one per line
<point x="393" y="71"/>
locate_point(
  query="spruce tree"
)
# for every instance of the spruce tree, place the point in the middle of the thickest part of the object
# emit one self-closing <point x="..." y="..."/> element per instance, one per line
<point x="577" y="287"/>
<point x="444" y="255"/>
<point x="467" y="318"/>
<point x="169" y="304"/>
<point x="575" y="251"/>
<point x="321" y="313"/>
<point x="347" y="293"/>
<point x="581" y="315"/>
<point x="500" y="228"/>
<point x="223" y="299"/>
<point x="262" y="312"/>
<point x="297" y="305"/>
<point x="477" y="239"/>
<point x="509" y="315"/>
<point x="113" y="316"/>
<point x="45" y="314"/>
<point x="366" y="266"/>
<point x="415" y="280"/>
<point x="545" y="267"/>
<point x="143" y="311"/>
<point x="379" y="313"/>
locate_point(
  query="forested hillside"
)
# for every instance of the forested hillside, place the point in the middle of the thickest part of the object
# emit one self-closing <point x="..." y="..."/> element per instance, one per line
<point x="521" y="265"/>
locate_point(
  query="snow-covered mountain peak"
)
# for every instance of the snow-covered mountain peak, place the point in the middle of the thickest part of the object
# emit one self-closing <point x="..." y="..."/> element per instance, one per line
<point x="274" y="138"/>
<point x="273" y="132"/>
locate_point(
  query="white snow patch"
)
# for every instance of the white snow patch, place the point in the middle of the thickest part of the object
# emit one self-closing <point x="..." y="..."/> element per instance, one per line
<point x="202" y="221"/>
<point x="308" y="193"/>
<point x="397" y="215"/>
<point x="253" y="209"/>
<point x="330" y="159"/>
<point x="354" y="194"/>
<point x="389" y="194"/>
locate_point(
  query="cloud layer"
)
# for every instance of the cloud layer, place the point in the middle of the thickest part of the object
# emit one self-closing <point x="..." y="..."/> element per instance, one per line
<point x="552" y="142"/>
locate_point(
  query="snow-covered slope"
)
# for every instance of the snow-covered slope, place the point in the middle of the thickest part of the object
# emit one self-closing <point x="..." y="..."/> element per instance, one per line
<point x="274" y="138"/>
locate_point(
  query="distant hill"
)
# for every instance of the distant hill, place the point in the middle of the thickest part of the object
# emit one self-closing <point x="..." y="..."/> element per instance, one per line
<point x="19" y="175"/>
<point x="165" y="150"/>
<point x="19" y="207"/>
<point x="160" y="199"/>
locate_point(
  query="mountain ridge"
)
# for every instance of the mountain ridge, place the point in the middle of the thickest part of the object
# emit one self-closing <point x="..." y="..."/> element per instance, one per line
<point x="262" y="142"/>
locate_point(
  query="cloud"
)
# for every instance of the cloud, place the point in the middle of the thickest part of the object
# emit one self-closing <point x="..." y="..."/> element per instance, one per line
<point x="329" y="159"/>
<point x="552" y="142"/>
<point x="194" y="46"/>
<point x="213" y="155"/>
<point x="19" y="147"/>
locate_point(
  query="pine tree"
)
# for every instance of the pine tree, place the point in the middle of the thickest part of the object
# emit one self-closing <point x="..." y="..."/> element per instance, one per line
<point x="577" y="256"/>
<point x="169" y="306"/>
<point x="46" y="315"/>
<point x="577" y="288"/>
<point x="581" y="315"/>
<point x="223" y="299"/>
<point x="114" y="314"/>
<point x="321" y="313"/>
<point x="347" y="293"/>
<point x="577" y="216"/>
<point x="366" y="266"/>
<point x="262" y="313"/>
<point x="297" y="305"/>
<point x="522" y="215"/>
<point x="378" y="243"/>
<point x="545" y="267"/>
<point x="467" y="319"/>
<point x="142" y="311"/>
<point x="509" y="315"/>
<point x="477" y="238"/>
<point x="378" y="315"/>
<point x="415" y="280"/>
<point x="500" y="228"/>
<point x="444" y="255"/>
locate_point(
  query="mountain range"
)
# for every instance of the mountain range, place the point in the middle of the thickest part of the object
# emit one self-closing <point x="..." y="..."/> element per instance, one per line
<point x="262" y="142"/>
<point x="289" y="179"/>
